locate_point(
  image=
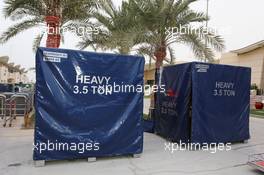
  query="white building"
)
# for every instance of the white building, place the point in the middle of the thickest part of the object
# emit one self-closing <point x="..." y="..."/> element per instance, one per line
<point x="11" y="73"/>
<point x="249" y="56"/>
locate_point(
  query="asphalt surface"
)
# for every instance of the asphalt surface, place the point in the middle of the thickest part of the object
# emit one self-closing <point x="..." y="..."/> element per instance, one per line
<point x="16" y="157"/>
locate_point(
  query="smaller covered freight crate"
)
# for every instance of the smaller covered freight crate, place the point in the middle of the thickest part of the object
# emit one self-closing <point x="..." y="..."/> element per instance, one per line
<point x="203" y="103"/>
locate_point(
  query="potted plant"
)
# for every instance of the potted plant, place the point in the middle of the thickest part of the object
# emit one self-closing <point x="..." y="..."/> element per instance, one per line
<point x="259" y="105"/>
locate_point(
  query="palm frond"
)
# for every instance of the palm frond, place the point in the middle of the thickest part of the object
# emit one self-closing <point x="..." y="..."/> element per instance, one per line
<point x="18" y="28"/>
<point x="108" y="7"/>
<point x="146" y="50"/>
<point x="37" y="41"/>
<point x="212" y="39"/>
<point x="23" y="7"/>
<point x="200" y="50"/>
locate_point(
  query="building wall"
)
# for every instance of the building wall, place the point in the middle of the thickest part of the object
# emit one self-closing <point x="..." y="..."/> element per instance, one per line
<point x="149" y="72"/>
<point x="3" y="73"/>
<point x="149" y="75"/>
<point x="253" y="59"/>
<point x="11" y="76"/>
<point x="24" y="78"/>
<point x="17" y="77"/>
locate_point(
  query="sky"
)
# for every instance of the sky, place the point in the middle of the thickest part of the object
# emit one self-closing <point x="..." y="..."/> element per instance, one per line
<point x="239" y="22"/>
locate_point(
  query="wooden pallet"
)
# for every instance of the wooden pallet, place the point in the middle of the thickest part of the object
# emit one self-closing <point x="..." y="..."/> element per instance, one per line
<point x="42" y="163"/>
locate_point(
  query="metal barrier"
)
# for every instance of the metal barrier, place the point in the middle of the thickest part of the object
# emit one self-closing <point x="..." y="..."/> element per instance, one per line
<point x="14" y="105"/>
<point x="2" y="105"/>
<point x="256" y="161"/>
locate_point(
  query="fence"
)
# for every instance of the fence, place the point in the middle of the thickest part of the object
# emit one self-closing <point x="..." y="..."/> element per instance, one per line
<point x="13" y="105"/>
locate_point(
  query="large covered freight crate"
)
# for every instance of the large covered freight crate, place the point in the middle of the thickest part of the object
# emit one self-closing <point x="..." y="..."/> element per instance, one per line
<point x="203" y="103"/>
<point x="83" y="108"/>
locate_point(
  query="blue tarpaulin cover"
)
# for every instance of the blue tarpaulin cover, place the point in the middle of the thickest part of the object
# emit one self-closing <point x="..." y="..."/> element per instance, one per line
<point x="75" y="107"/>
<point x="203" y="103"/>
<point x="148" y="126"/>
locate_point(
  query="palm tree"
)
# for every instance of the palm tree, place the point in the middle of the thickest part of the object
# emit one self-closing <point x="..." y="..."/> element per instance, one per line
<point x="163" y="18"/>
<point x="118" y="29"/>
<point x="148" y="26"/>
<point x="163" y="21"/>
<point x="39" y="13"/>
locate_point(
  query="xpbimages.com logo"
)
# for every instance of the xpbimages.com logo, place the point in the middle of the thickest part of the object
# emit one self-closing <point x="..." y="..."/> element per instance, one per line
<point x="80" y="147"/>
<point x="182" y="146"/>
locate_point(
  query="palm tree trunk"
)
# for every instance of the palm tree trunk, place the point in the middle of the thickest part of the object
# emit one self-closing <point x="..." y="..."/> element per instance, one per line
<point x="53" y="39"/>
<point x="53" y="19"/>
<point x="160" y="55"/>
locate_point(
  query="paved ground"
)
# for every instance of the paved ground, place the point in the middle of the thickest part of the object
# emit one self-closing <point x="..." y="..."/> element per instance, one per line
<point x="16" y="158"/>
